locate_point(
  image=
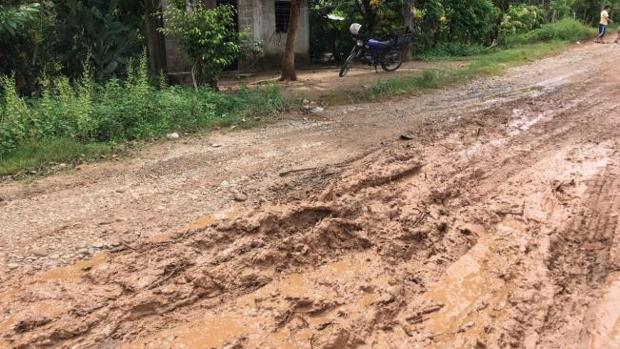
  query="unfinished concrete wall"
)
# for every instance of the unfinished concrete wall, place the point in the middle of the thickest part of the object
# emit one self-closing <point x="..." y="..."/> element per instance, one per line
<point x="259" y="19"/>
<point x="275" y="42"/>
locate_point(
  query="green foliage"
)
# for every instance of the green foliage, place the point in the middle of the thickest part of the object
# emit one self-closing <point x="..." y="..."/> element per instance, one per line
<point x="564" y="30"/>
<point x="444" y="27"/>
<point x="26" y="36"/>
<point x="561" y="8"/>
<point x="14" y="116"/>
<point x="87" y="112"/>
<point x="520" y="19"/>
<point x="14" y="19"/>
<point x="470" y="21"/>
<point x="95" y="33"/>
<point x="36" y="154"/>
<point x="207" y="35"/>
<point x="52" y="37"/>
<point x="478" y="66"/>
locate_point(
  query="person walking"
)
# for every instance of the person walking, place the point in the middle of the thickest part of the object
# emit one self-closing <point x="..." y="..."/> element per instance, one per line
<point x="602" y="26"/>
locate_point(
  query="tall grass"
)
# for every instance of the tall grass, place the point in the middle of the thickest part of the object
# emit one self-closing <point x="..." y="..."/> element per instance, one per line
<point x="86" y="113"/>
<point x="564" y="30"/>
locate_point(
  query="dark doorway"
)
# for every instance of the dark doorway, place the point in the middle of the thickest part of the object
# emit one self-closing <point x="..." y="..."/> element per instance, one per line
<point x="233" y="3"/>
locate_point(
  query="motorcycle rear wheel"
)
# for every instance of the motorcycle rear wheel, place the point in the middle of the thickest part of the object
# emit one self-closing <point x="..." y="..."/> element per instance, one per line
<point x="347" y="65"/>
<point x="392" y="60"/>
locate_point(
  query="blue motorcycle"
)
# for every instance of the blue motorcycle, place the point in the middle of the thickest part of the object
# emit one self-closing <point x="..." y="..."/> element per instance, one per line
<point x="387" y="54"/>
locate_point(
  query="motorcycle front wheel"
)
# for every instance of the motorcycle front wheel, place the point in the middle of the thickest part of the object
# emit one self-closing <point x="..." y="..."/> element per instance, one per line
<point x="347" y="64"/>
<point x="392" y="60"/>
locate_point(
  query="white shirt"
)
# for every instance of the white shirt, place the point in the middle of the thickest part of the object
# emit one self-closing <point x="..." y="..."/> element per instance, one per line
<point x="604" y="18"/>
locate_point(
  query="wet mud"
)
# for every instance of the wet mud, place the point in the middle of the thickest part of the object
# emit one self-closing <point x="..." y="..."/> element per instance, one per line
<point x="494" y="227"/>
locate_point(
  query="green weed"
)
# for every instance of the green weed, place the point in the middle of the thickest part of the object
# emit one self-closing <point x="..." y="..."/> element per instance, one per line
<point x="563" y="30"/>
<point x="95" y="116"/>
<point x="34" y="155"/>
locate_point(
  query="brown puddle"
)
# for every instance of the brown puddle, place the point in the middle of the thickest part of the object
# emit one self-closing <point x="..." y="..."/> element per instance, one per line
<point x="205" y="222"/>
<point x="463" y="285"/>
<point x="246" y="320"/>
<point x="74" y="272"/>
<point x="213" y="332"/>
<point x="201" y="224"/>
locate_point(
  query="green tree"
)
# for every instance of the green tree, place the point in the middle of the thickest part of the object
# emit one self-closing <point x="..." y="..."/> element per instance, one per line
<point x="96" y="33"/>
<point x="13" y="19"/>
<point x="208" y="37"/>
<point x="470" y="21"/>
<point x="26" y="39"/>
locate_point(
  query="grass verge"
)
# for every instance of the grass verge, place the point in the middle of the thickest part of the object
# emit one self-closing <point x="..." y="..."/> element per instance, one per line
<point x="491" y="63"/>
<point x="30" y="157"/>
<point x="73" y="122"/>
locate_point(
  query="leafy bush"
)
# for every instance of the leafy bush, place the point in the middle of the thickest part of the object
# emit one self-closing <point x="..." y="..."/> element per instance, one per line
<point x="520" y="19"/>
<point x="565" y="30"/>
<point x="14" y="116"/>
<point x="470" y="21"/>
<point x="561" y="8"/>
<point x="207" y="35"/>
<point x="95" y="32"/>
<point x="87" y="112"/>
<point x="14" y="19"/>
<point x="26" y="35"/>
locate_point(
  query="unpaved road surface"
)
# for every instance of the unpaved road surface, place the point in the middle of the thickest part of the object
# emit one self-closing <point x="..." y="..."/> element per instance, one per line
<point x="313" y="84"/>
<point x="494" y="226"/>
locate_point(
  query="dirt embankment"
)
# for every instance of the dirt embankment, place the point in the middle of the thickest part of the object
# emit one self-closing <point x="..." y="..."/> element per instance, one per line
<point x="495" y="225"/>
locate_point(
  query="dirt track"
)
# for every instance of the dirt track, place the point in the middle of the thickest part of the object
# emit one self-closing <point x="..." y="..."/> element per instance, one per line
<point x="495" y="226"/>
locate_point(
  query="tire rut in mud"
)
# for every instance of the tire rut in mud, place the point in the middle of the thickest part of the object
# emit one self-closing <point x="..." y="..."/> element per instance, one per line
<point x="580" y="262"/>
<point x="130" y="290"/>
<point x="405" y="213"/>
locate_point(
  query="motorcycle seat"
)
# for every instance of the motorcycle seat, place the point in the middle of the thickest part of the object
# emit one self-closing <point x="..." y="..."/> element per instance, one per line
<point x="373" y="43"/>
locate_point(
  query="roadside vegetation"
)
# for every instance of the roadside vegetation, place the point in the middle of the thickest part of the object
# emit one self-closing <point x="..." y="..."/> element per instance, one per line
<point x="74" y="121"/>
<point x="550" y="38"/>
<point x="64" y="99"/>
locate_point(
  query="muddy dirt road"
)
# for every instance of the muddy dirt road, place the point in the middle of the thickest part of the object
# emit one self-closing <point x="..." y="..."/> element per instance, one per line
<point x="494" y="226"/>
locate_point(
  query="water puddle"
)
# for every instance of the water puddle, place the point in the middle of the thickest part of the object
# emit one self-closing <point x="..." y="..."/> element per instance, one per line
<point x="459" y="291"/>
<point x="76" y="271"/>
<point x="201" y="224"/>
<point x="212" y="332"/>
<point x="250" y="318"/>
<point x="525" y="121"/>
<point x="469" y="289"/>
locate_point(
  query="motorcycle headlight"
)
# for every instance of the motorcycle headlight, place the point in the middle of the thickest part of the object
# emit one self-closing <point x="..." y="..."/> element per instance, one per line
<point x="360" y="42"/>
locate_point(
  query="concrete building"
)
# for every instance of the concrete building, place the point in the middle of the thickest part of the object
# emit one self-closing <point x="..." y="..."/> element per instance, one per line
<point x="267" y="22"/>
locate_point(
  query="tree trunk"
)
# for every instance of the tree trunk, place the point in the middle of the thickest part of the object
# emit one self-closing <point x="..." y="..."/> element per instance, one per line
<point x="155" y="40"/>
<point x="408" y="24"/>
<point x="288" y="58"/>
<point x="436" y="33"/>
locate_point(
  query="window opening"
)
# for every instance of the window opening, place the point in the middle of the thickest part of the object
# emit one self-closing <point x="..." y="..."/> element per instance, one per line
<point x="283" y="13"/>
